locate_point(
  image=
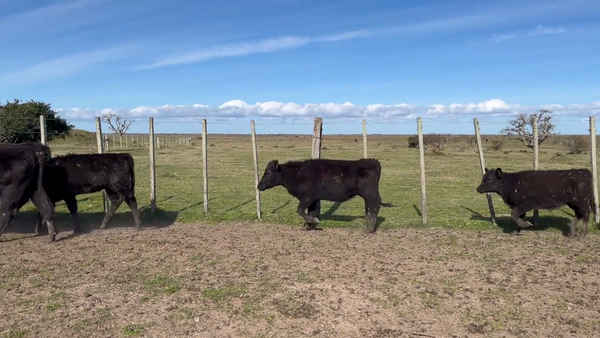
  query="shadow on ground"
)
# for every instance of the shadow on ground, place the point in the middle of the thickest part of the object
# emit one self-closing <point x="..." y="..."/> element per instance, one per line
<point x="508" y="225"/>
<point x="329" y="216"/>
<point x="24" y="221"/>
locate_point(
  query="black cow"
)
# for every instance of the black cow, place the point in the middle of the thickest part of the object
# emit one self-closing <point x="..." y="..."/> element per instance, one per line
<point x="67" y="176"/>
<point x="333" y="180"/>
<point x="21" y="172"/>
<point x="542" y="189"/>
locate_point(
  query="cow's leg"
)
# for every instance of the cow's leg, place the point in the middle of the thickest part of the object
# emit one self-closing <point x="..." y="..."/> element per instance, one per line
<point x="38" y="223"/>
<point x="46" y="209"/>
<point x="8" y="212"/>
<point x="515" y="214"/>
<point x="115" y="203"/>
<point x="371" y="211"/>
<point x="583" y="215"/>
<point x="71" y="202"/>
<point x="303" y="205"/>
<point x="573" y="227"/>
<point x="132" y="203"/>
<point x="314" y="210"/>
<point x="9" y="203"/>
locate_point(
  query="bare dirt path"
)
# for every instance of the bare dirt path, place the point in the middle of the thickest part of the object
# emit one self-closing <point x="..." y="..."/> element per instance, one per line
<point x="257" y="280"/>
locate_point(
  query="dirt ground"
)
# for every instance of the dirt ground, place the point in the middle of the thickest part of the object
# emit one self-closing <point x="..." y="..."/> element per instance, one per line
<point x="257" y="280"/>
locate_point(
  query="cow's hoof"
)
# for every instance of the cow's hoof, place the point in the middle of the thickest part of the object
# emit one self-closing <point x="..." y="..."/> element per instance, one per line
<point x="51" y="238"/>
<point x="515" y="233"/>
<point x="315" y="221"/>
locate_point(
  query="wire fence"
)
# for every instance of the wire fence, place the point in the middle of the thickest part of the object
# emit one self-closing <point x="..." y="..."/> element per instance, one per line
<point x="430" y="178"/>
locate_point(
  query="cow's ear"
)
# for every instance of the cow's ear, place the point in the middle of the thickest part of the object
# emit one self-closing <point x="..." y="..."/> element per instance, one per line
<point x="277" y="167"/>
<point x="498" y="172"/>
<point x="486" y="169"/>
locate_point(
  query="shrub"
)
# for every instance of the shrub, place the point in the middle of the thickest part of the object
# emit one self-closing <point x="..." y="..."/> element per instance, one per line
<point x="497" y="145"/>
<point x="435" y="142"/>
<point x="413" y="141"/>
<point x="575" y="144"/>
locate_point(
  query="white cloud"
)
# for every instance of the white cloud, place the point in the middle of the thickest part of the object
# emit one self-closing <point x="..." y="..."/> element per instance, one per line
<point x="235" y="109"/>
<point x="487" y="18"/>
<point x="60" y="13"/>
<point x="347" y="111"/>
<point x="539" y="30"/>
<point x="264" y="46"/>
<point x="497" y="107"/>
<point x="64" y="66"/>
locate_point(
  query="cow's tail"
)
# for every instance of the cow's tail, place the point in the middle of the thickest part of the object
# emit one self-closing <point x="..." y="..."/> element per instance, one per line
<point x="387" y="205"/>
<point x="378" y="173"/>
<point x="44" y="155"/>
<point x="131" y="172"/>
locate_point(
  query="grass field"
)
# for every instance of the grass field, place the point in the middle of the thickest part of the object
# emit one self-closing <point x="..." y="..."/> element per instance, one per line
<point x="184" y="275"/>
<point x="451" y="180"/>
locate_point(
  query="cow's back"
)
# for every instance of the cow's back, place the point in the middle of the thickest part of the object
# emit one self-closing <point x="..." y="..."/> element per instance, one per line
<point x="336" y="180"/>
<point x="87" y="173"/>
<point x="548" y="188"/>
<point x="348" y="168"/>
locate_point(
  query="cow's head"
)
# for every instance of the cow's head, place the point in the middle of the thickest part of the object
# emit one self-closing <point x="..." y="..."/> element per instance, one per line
<point x="491" y="181"/>
<point x="272" y="176"/>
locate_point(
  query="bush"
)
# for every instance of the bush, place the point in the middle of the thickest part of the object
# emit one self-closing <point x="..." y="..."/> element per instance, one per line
<point x="575" y="144"/>
<point x="435" y="142"/>
<point x="497" y="145"/>
<point x="19" y="122"/>
<point x="413" y="141"/>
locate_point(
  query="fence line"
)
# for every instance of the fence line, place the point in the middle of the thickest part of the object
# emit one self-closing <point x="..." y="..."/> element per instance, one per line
<point x="158" y="141"/>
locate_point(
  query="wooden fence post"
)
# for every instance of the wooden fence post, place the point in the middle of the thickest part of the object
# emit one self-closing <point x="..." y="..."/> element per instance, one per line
<point x="255" y="155"/>
<point x="482" y="163"/>
<point x="364" y="124"/>
<point x="317" y="137"/>
<point x="152" y="167"/>
<point x="205" y="165"/>
<point x="422" y="162"/>
<point x="100" y="144"/>
<point x="43" y="129"/>
<point x="317" y="143"/>
<point x="535" y="162"/>
<point x="594" y="167"/>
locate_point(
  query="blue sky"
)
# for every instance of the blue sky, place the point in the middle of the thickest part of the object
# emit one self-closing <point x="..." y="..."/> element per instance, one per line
<point x="284" y="62"/>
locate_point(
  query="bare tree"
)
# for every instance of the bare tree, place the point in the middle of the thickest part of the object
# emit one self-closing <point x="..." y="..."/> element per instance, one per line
<point x="117" y="124"/>
<point x="521" y="127"/>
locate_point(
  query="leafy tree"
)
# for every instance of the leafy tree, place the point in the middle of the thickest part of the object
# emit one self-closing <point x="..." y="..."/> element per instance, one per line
<point x="20" y="122"/>
<point x="521" y="127"/>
